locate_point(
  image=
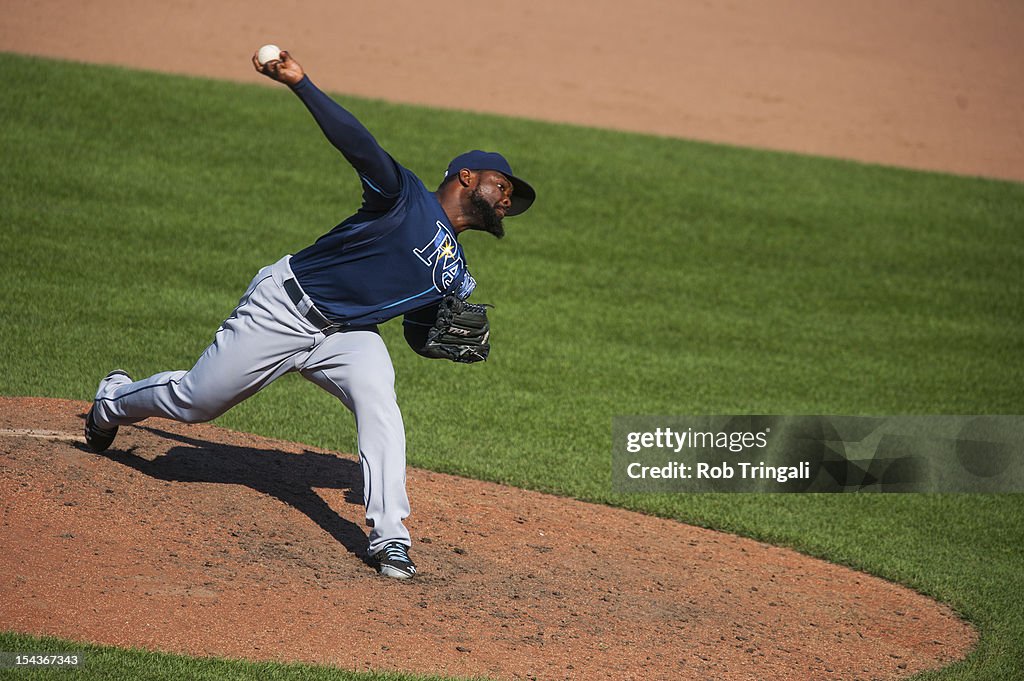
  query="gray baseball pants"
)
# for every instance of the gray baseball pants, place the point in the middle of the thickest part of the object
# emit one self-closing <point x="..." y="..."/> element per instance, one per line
<point x="265" y="337"/>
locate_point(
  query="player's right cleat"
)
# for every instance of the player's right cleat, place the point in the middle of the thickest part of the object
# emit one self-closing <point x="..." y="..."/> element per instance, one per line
<point x="394" y="561"/>
<point x="99" y="439"/>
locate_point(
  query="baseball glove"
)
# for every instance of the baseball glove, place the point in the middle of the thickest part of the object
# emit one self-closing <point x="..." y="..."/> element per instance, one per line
<point x="460" y="332"/>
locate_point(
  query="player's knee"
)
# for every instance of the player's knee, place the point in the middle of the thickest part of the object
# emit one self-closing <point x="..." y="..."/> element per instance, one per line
<point x="372" y="389"/>
<point x="198" y="411"/>
<point x="199" y="402"/>
<point x="200" y="415"/>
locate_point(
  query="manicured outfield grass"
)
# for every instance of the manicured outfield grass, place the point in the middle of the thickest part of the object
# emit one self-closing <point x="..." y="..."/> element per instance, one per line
<point x="654" y="276"/>
<point x="102" y="662"/>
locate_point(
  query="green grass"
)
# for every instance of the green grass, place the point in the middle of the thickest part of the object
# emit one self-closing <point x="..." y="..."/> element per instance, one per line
<point x="105" y="662"/>
<point x="653" y="276"/>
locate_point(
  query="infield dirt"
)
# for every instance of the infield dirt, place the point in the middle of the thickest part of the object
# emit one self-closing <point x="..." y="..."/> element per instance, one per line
<point x="200" y="540"/>
<point x="929" y="84"/>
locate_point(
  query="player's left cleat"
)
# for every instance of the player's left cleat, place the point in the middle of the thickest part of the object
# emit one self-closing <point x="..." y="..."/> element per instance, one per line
<point x="99" y="439"/>
<point x="394" y="561"/>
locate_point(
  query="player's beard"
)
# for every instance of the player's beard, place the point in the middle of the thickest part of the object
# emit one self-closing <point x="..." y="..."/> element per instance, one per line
<point x="488" y="218"/>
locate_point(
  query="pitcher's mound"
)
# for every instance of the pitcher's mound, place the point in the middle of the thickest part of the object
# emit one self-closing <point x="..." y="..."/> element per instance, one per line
<point x="205" y="541"/>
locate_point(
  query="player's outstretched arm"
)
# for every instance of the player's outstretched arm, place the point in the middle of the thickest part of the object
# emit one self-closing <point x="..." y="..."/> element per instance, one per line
<point x="284" y="70"/>
<point x="377" y="170"/>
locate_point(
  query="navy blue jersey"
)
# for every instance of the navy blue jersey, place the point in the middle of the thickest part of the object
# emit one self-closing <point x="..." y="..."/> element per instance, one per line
<point x="398" y="253"/>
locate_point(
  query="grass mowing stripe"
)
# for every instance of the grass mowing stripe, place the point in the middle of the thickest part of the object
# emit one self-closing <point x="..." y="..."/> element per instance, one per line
<point x="652" y="276"/>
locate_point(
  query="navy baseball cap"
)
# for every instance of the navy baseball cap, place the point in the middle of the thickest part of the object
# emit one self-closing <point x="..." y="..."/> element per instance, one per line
<point x="522" y="193"/>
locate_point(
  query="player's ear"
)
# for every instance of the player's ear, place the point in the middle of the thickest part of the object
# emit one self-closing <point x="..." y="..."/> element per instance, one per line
<point x="466" y="177"/>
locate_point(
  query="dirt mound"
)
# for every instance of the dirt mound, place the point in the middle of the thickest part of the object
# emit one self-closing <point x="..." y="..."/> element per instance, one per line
<point x="200" y="540"/>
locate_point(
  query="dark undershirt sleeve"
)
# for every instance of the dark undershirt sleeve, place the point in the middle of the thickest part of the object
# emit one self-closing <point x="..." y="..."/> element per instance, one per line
<point x="417" y="324"/>
<point x="377" y="170"/>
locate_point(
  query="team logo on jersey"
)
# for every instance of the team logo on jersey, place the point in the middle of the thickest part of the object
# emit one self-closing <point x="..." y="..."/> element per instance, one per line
<point x="468" y="286"/>
<point x="442" y="254"/>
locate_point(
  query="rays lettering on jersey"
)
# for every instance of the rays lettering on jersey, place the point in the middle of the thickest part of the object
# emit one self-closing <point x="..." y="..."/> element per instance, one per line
<point x="441" y="253"/>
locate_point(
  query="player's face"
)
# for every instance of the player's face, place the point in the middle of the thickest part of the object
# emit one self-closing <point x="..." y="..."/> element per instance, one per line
<point x="496" y="184"/>
<point x="491" y="200"/>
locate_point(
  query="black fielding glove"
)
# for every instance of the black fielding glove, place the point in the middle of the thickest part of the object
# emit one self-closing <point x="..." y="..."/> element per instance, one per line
<point x="460" y="332"/>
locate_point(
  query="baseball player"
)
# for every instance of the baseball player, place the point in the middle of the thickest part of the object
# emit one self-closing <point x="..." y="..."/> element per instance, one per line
<point x="316" y="312"/>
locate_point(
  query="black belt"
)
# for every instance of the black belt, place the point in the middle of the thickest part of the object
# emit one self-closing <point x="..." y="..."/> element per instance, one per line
<point x="313" y="315"/>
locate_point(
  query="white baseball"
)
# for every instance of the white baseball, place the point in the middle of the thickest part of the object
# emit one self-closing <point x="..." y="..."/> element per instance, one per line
<point x="268" y="53"/>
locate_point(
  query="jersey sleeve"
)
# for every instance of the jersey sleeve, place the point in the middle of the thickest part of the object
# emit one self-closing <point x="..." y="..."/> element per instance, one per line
<point x="382" y="182"/>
